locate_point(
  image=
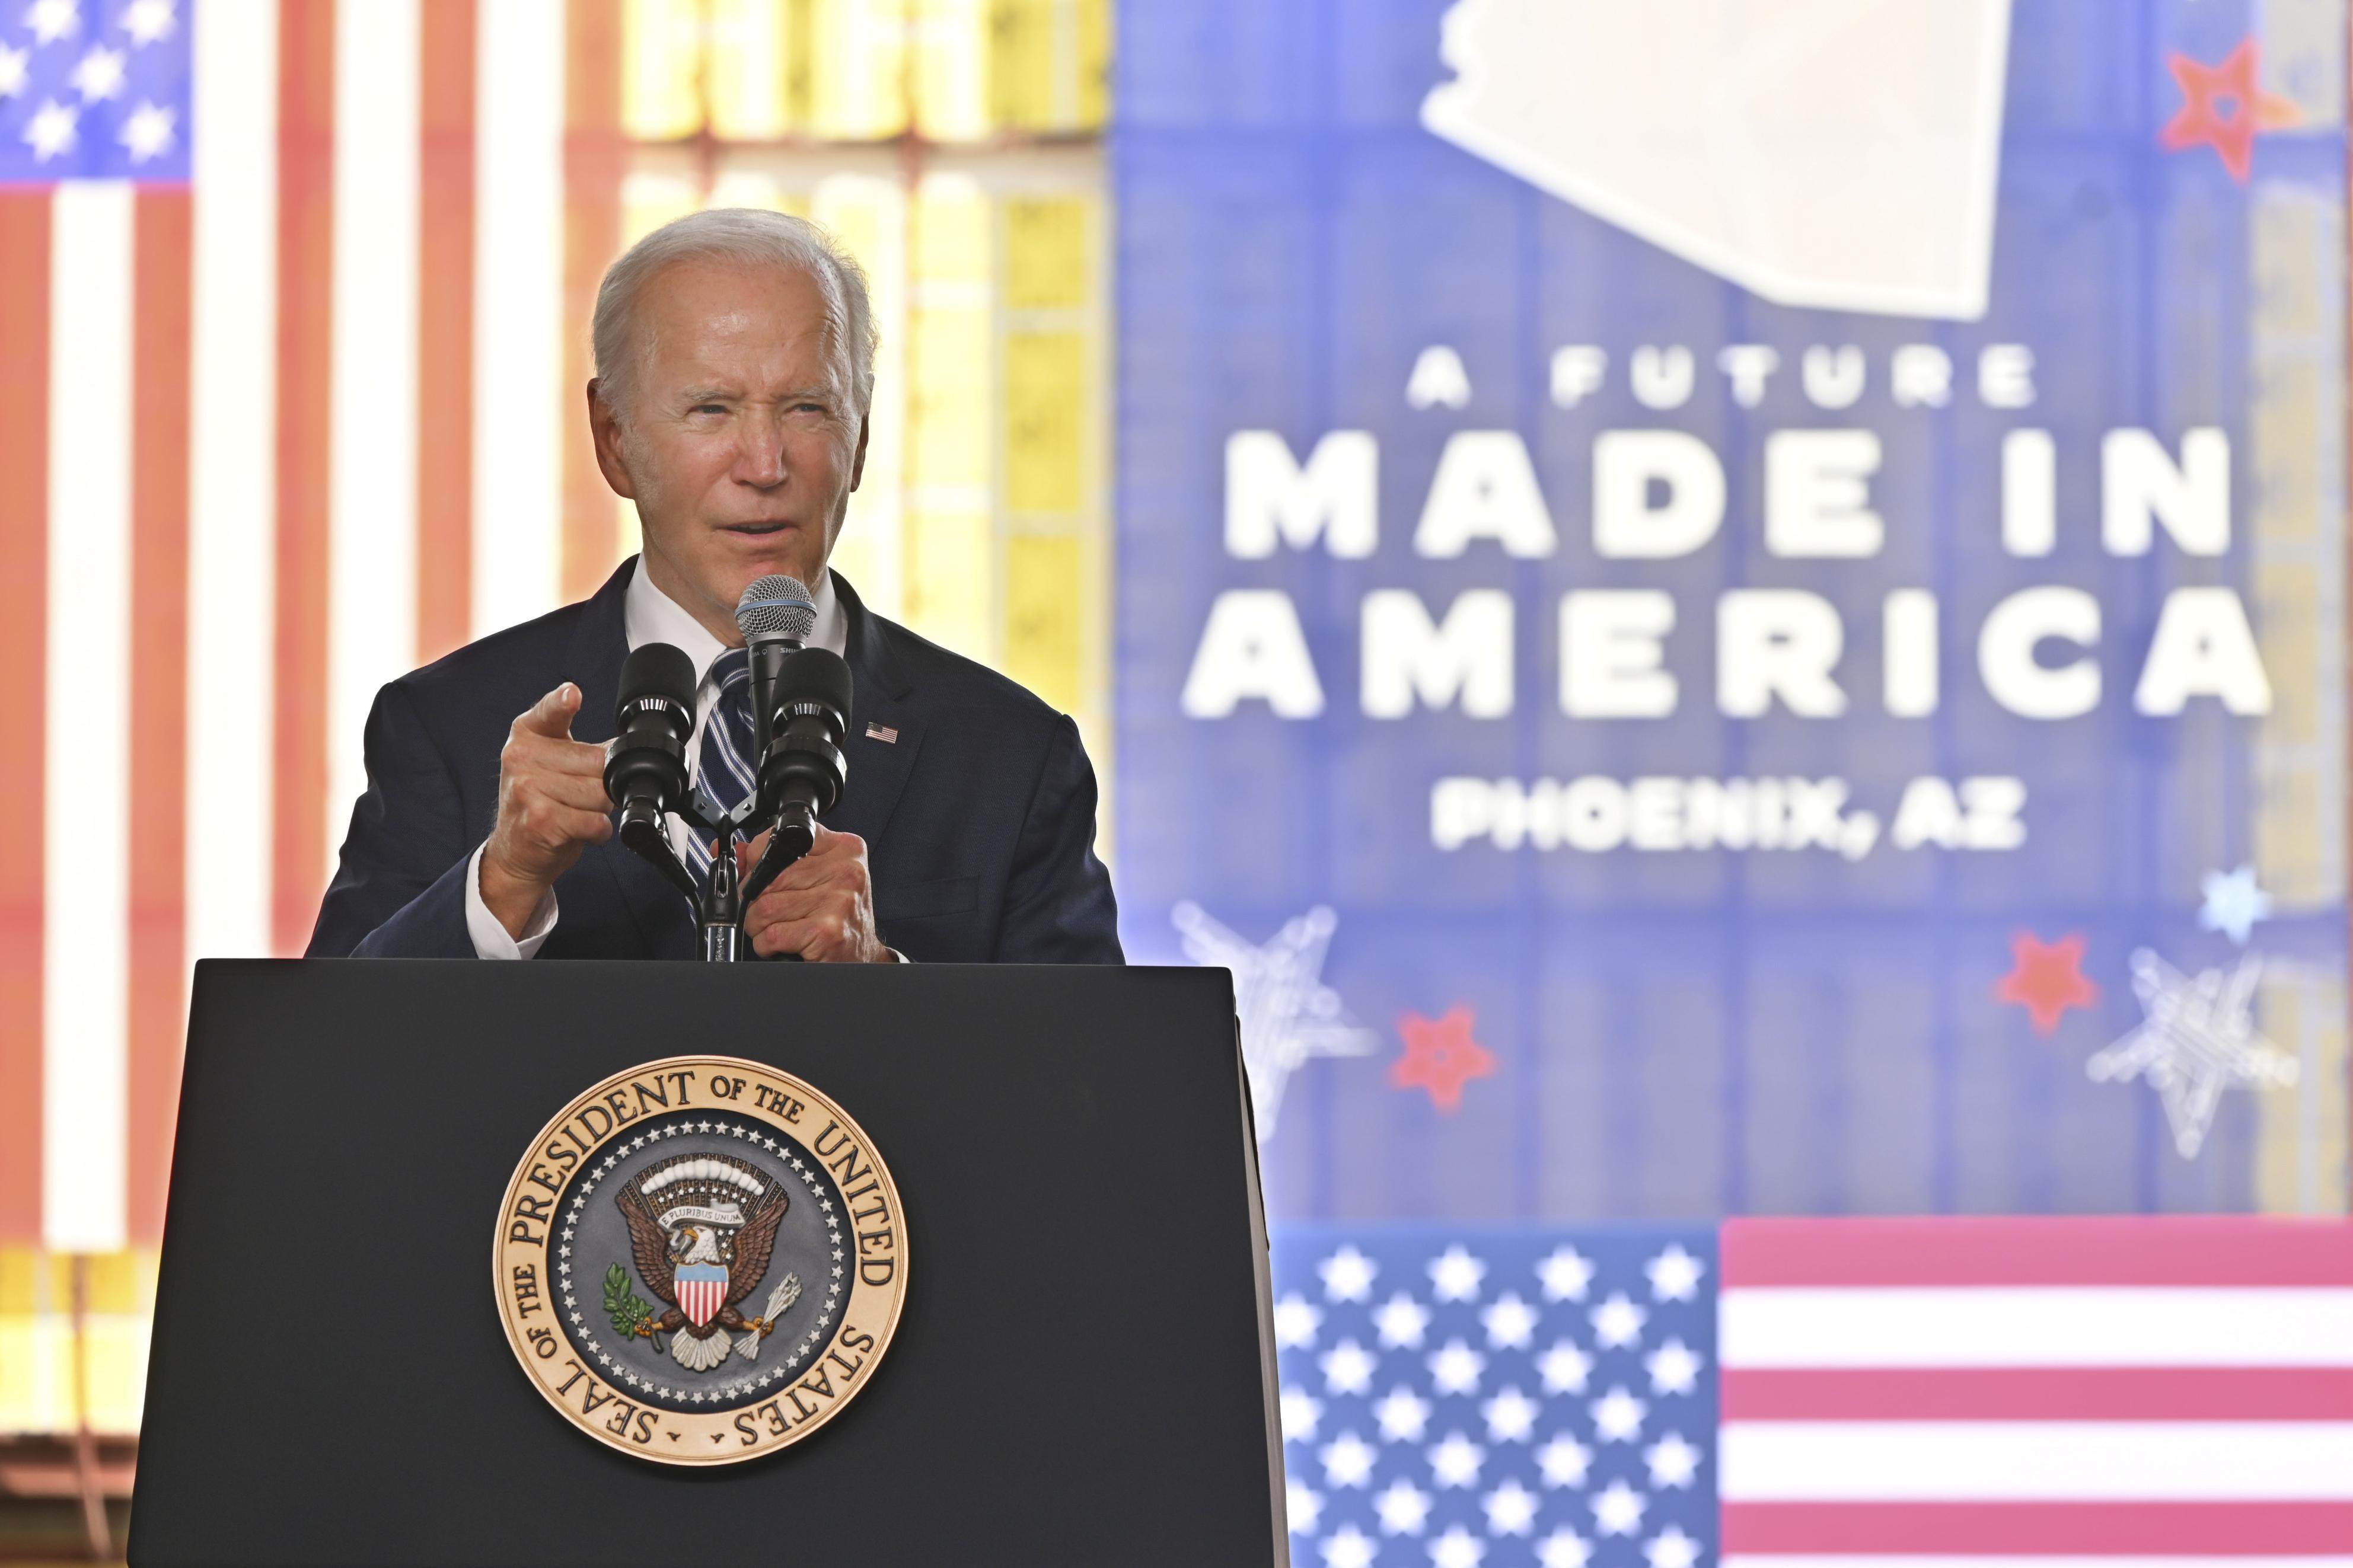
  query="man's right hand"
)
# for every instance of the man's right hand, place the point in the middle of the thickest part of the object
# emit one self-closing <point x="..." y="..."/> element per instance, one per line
<point x="551" y="805"/>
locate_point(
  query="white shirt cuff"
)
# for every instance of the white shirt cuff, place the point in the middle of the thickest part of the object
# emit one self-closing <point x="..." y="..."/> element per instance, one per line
<point x="490" y="938"/>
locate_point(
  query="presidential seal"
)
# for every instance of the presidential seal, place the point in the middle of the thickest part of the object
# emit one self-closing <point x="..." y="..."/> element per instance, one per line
<point x="700" y="1260"/>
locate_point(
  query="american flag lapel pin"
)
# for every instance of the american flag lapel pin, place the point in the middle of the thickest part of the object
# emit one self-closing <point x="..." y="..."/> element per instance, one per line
<point x="882" y="733"/>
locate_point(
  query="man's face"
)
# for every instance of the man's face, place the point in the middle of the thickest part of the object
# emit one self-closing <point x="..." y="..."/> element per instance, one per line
<point x="741" y="440"/>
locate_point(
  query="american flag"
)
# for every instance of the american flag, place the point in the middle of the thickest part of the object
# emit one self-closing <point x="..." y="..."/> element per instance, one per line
<point x="1820" y="1393"/>
<point x="291" y="333"/>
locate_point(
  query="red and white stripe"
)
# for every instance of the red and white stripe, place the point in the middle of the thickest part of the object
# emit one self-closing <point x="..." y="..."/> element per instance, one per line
<point x="701" y="1300"/>
<point x="293" y="428"/>
<point x="1930" y="1393"/>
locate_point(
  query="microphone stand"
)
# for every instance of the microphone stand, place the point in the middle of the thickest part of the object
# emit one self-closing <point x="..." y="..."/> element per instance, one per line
<point x="719" y="904"/>
<point x="722" y="914"/>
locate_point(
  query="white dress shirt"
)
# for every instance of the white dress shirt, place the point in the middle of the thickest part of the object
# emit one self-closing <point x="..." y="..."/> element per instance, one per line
<point x="648" y="614"/>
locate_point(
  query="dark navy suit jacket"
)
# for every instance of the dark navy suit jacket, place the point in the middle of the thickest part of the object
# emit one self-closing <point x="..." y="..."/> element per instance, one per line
<point x="978" y="819"/>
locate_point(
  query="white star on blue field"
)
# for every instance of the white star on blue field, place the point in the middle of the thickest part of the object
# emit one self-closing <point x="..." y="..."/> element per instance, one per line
<point x="2233" y="903"/>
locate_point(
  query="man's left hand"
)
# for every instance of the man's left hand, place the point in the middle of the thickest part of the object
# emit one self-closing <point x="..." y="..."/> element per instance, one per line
<point x="821" y="907"/>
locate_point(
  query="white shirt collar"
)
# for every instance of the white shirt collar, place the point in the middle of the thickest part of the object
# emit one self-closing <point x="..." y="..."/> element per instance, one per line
<point x="648" y="615"/>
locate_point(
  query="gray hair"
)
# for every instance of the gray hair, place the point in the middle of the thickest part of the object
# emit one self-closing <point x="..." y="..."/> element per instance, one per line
<point x="752" y="237"/>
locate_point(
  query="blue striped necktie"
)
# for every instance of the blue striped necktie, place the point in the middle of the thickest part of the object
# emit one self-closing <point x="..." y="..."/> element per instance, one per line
<point x="724" y="774"/>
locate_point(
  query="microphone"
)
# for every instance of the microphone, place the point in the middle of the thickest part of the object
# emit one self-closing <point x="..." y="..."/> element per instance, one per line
<point x="775" y="615"/>
<point x="802" y="769"/>
<point x="646" y="772"/>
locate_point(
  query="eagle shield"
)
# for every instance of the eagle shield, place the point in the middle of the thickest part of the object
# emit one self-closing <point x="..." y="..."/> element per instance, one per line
<point x="701" y="1290"/>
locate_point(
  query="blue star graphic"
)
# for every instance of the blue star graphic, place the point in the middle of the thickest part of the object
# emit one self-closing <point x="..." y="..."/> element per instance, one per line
<point x="2233" y="903"/>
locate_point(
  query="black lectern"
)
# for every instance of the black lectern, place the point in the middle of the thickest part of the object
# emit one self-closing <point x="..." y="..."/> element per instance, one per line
<point x="1082" y="1369"/>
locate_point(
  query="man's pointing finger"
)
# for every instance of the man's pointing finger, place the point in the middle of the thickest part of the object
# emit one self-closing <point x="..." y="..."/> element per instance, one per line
<point x="551" y="714"/>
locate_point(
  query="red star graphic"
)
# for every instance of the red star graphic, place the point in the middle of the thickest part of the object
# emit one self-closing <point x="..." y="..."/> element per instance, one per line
<point x="1440" y="1056"/>
<point x="2046" y="978"/>
<point x="2222" y="107"/>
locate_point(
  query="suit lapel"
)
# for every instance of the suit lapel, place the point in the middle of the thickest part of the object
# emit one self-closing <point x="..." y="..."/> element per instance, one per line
<point x="877" y="769"/>
<point x="594" y="659"/>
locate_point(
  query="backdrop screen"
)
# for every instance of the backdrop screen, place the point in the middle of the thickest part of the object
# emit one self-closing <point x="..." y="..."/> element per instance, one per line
<point x="1722" y="612"/>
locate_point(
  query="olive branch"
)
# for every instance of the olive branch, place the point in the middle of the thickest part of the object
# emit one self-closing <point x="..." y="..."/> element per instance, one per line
<point x="623" y="1306"/>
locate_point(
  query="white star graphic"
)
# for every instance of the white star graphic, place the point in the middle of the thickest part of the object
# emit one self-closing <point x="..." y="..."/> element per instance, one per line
<point x="100" y="75"/>
<point x="1303" y="1507"/>
<point x="1454" y="1368"/>
<point x="1348" y="1368"/>
<point x="1670" y="1548"/>
<point x="1403" y="1416"/>
<point x="1348" y="1461"/>
<point x="1287" y="1013"/>
<point x="50" y="130"/>
<point x="1565" y="1461"/>
<point x="1617" y="1416"/>
<point x="12" y="70"/>
<point x="1564" y="1368"/>
<point x="1675" y="1274"/>
<point x="2197" y="1039"/>
<point x="1511" y="1509"/>
<point x="2232" y="903"/>
<point x="1348" y="1274"/>
<point x="1401" y="1321"/>
<point x="147" y="132"/>
<point x="1511" y="1322"/>
<point x="1566" y="1275"/>
<point x="1618" y="1509"/>
<point x="1674" y="1368"/>
<point x="1617" y="1324"/>
<point x="1295" y="1322"/>
<point x="1454" y="1275"/>
<point x="1564" y="1548"/>
<point x="1300" y="1411"/>
<point x="1458" y="1548"/>
<point x="1673" y="1462"/>
<point x="147" y="20"/>
<point x="1348" y="1547"/>
<point x="1404" y="1509"/>
<point x="1455" y="1461"/>
<point x="1510" y="1416"/>
<point x="52" y="19"/>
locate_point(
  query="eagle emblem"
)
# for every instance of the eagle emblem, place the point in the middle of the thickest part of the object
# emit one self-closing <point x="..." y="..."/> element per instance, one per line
<point x="701" y="1227"/>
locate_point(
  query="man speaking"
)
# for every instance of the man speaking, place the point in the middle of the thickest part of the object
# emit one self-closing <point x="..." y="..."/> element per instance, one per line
<point x="734" y="357"/>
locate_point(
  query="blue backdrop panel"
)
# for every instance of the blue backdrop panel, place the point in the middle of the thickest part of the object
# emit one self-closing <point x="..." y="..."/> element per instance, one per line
<point x="1498" y="1029"/>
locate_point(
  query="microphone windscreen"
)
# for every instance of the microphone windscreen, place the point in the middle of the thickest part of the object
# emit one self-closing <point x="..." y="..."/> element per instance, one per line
<point x="775" y="606"/>
<point x="816" y="675"/>
<point x="658" y="669"/>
